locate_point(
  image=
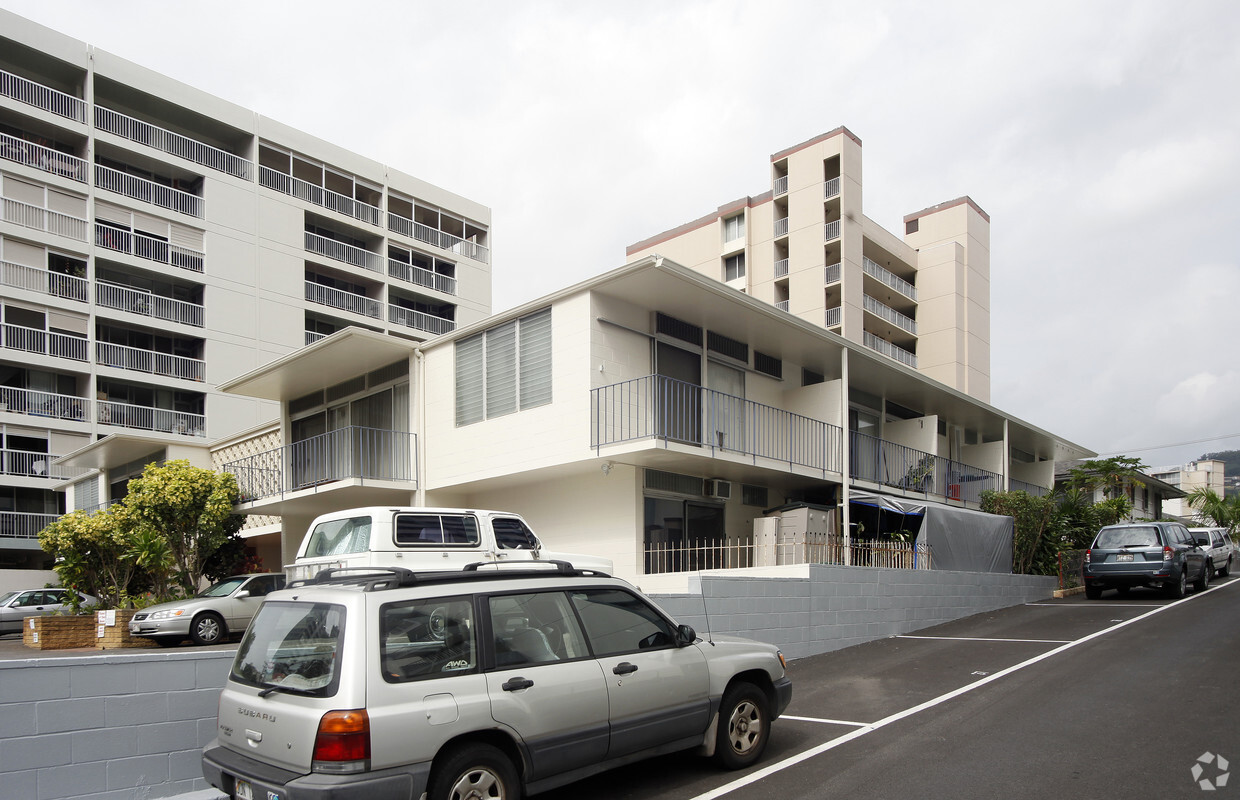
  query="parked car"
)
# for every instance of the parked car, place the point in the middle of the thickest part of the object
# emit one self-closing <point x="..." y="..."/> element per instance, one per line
<point x="1155" y="554"/>
<point x="210" y="617"/>
<point x="16" y="606"/>
<point x="1219" y="546"/>
<point x="490" y="682"/>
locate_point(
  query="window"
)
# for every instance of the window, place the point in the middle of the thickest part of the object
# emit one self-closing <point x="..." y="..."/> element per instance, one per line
<point x="734" y="228"/>
<point x="428" y="638"/>
<point x="293" y="646"/>
<point x="504" y="369"/>
<point x="535" y="629"/>
<point x="618" y="622"/>
<point x="512" y="534"/>
<point x="339" y="536"/>
<point x="734" y="267"/>
<point x="434" y="530"/>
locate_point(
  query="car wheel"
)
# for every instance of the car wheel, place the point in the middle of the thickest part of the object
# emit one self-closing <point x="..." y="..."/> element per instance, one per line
<point x="1203" y="580"/>
<point x="1226" y="570"/>
<point x="1093" y="592"/>
<point x="207" y="628"/>
<point x="744" y="726"/>
<point x="475" y="772"/>
<point x="1178" y="589"/>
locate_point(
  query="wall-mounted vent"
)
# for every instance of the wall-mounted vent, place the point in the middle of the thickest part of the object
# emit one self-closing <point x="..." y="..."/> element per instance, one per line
<point x="728" y="347"/>
<point x="768" y="365"/>
<point x="346" y="388"/>
<point x="672" y="482"/>
<point x="391" y="372"/>
<point x="754" y="495"/>
<point x="306" y="402"/>
<point x="678" y="329"/>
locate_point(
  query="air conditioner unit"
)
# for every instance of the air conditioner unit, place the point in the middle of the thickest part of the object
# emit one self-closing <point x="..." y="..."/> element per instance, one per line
<point x="717" y="488"/>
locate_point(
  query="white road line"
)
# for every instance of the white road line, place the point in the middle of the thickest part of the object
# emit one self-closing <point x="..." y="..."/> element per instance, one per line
<point x="792" y="761"/>
<point x="984" y="639"/>
<point x="827" y="721"/>
<point x="1095" y="605"/>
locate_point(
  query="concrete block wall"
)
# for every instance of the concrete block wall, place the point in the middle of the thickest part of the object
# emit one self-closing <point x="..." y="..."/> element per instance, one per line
<point x="107" y="727"/>
<point x="839" y="606"/>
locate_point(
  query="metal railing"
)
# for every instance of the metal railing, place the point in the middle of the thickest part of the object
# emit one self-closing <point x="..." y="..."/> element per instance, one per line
<point x="1033" y="489"/>
<point x="44" y="404"/>
<point x="657" y="407"/>
<point x="419" y="319"/>
<point x="881" y="273"/>
<point x="190" y="149"/>
<point x="348" y="453"/>
<point x="421" y="277"/>
<point x="831" y="274"/>
<point x="43" y="342"/>
<point x="891" y="464"/>
<point x="781" y="227"/>
<point x="832" y="317"/>
<point x="56" y="284"/>
<point x="347" y="253"/>
<point x="831" y="188"/>
<point x="29" y="464"/>
<point x="890" y="350"/>
<point x="1071" y="568"/>
<point x="148" y="191"/>
<point x="781" y="268"/>
<point x="831" y="230"/>
<point x="40" y="96"/>
<point x="44" y="219"/>
<point x="23" y="525"/>
<point x="43" y="158"/>
<point x="889" y="314"/>
<point x="148" y="247"/>
<point x="437" y="238"/>
<point x="312" y="337"/>
<point x="146" y="418"/>
<point x="345" y="301"/>
<point x="697" y="554"/>
<point x="319" y="196"/>
<point x="147" y="303"/>
<point x="136" y="359"/>
<point x="782" y="305"/>
<point x="780" y="186"/>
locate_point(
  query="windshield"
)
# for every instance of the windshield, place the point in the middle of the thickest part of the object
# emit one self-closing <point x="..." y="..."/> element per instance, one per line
<point x="338" y="537"/>
<point x="223" y="588"/>
<point x="292" y="647"/>
<point x="1127" y="536"/>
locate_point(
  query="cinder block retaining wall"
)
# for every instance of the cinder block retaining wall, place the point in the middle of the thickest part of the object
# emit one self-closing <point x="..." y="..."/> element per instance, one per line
<point x="132" y="725"/>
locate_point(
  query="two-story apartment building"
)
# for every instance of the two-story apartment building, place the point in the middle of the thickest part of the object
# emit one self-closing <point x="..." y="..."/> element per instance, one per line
<point x="156" y="241"/>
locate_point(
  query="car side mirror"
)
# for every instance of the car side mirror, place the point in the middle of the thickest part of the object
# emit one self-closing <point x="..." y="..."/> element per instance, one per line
<point x="685" y="635"/>
<point x="241" y="595"/>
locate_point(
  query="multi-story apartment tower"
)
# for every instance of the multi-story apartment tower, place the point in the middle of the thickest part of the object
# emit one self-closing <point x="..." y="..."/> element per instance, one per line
<point x="1201" y="474"/>
<point x="806" y="246"/>
<point x="156" y="241"/>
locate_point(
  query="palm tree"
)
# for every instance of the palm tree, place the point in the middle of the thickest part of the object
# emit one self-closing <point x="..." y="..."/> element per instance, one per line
<point x="1222" y="512"/>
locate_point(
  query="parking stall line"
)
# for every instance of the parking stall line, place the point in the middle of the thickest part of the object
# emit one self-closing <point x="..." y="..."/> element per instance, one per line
<point x="1095" y="605"/>
<point x="828" y="721"/>
<point x="984" y="639"/>
<point x="806" y="755"/>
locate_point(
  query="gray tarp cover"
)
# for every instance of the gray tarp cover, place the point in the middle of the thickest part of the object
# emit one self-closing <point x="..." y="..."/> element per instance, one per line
<point x="959" y="538"/>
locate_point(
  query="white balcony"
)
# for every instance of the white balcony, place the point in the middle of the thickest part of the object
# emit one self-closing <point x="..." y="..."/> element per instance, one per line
<point x="44" y="219"/>
<point x="148" y="304"/>
<point x="781" y="268"/>
<point x="24" y="525"/>
<point x="437" y="238"/>
<point x="42" y="97"/>
<point x="890" y="350"/>
<point x="780" y="186"/>
<point x="44" y="404"/>
<point x="399" y="315"/>
<point x="782" y="305"/>
<point x="421" y="277"/>
<point x="47" y="343"/>
<point x="831" y="230"/>
<point x="27" y="464"/>
<point x="33" y="279"/>
<point x="190" y="149"/>
<point x="148" y="247"/>
<point x="831" y="274"/>
<point x="831" y="188"/>
<point x="346" y="253"/>
<point x="781" y="227"/>
<point x="832" y="317"/>
<point x="157" y="194"/>
<point x="146" y="418"/>
<point x="345" y="301"/>
<point x="149" y="361"/>
<point x="889" y="314"/>
<point x="312" y="193"/>
<point x="313" y="336"/>
<point x="881" y="273"/>
<point x="42" y="158"/>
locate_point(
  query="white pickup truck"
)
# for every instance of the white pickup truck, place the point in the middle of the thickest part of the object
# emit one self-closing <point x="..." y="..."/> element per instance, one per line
<point x="423" y="539"/>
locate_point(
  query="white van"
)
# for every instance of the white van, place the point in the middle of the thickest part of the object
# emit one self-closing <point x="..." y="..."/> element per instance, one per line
<point x="423" y="539"/>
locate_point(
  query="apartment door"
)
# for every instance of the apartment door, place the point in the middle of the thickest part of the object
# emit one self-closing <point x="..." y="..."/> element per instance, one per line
<point x="678" y="394"/>
<point x="725" y="407"/>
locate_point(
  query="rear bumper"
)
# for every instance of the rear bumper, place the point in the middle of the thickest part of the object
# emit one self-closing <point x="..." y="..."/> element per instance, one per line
<point x="1111" y="577"/>
<point x="223" y="767"/>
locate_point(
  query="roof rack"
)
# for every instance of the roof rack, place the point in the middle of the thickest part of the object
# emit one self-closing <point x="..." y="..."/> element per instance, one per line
<point x="372" y="579"/>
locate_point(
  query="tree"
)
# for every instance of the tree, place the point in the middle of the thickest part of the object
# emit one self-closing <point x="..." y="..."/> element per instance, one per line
<point x="1220" y="512"/>
<point x="1108" y="474"/>
<point x="1035" y="545"/>
<point x="188" y="506"/>
<point x="92" y="553"/>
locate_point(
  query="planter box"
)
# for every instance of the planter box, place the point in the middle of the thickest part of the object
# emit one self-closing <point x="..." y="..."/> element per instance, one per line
<point x="53" y="632"/>
<point x="117" y="636"/>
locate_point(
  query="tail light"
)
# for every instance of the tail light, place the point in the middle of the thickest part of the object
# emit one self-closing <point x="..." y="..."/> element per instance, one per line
<point x="1087" y="552"/>
<point x="342" y="743"/>
<point x="1168" y="553"/>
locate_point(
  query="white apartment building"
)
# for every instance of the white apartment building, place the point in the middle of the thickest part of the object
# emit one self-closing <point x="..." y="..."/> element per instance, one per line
<point x="156" y="241"/>
<point x="647" y="409"/>
<point x="1201" y="474"/>
<point x="806" y="246"/>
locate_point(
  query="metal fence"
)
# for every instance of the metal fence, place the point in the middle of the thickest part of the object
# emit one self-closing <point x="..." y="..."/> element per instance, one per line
<point x="698" y="554"/>
<point x="1071" y="566"/>
<point x="902" y="467"/>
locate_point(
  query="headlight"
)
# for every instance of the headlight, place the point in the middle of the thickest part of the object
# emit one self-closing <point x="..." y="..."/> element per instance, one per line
<point x="168" y="614"/>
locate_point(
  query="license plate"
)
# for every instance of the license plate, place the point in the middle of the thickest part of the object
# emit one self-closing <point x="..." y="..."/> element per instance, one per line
<point x="244" y="791"/>
<point x="1124" y="557"/>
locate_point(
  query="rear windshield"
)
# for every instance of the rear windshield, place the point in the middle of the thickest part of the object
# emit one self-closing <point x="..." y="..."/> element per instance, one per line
<point x="292" y="647"/>
<point x="338" y="537"/>
<point x="1127" y="536"/>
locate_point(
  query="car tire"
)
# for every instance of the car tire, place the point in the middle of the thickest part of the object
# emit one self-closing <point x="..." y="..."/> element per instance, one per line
<point x="207" y="628"/>
<point x="744" y="726"/>
<point x="1226" y="570"/>
<point x="1179" y="589"/>
<point x="1203" y="580"/>
<point x="473" y="771"/>
<point x="1093" y="592"/>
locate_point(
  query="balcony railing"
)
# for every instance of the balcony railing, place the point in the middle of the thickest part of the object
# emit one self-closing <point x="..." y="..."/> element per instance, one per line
<point x="881" y="273"/>
<point x="831" y="274"/>
<point x="47" y="343"/>
<point x="422" y="321"/>
<point x="42" y="158"/>
<point x="148" y="247"/>
<point x="781" y="268"/>
<point x="1029" y="488"/>
<point x="780" y="186"/>
<point x="657" y="407"/>
<point x="782" y="305"/>
<point x="113" y="180"/>
<point x="136" y="359"/>
<point x="44" y="219"/>
<point x="44" y="404"/>
<point x="889" y="314"/>
<point x="437" y="238"/>
<point x="896" y="465"/>
<point x="312" y="193"/>
<point x="697" y="554"/>
<point x="27" y="464"/>
<point x="55" y="284"/>
<point x="831" y="188"/>
<point x="190" y="149"/>
<point x="148" y="304"/>
<point x="781" y="227"/>
<point x="831" y="230"/>
<point x="890" y="350"/>
<point x="347" y="253"/>
<point x="312" y="337"/>
<point x="352" y="453"/>
<point x="422" y="277"/>
<point x="832" y="317"/>
<point x="40" y="96"/>
<point x="146" y="418"/>
<point x="23" y="525"/>
<point x="345" y="301"/>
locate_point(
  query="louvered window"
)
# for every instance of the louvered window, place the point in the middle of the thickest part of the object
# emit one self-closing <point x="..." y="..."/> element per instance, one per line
<point x="504" y="369"/>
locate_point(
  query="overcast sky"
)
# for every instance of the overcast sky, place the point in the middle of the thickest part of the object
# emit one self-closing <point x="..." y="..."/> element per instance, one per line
<point x="1103" y="138"/>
